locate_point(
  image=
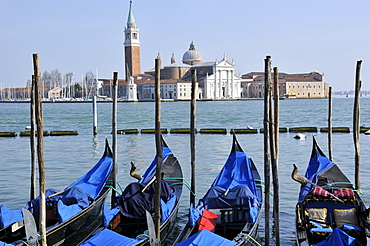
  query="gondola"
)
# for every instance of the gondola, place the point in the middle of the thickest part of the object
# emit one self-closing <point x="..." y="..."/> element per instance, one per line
<point x="329" y="210"/>
<point x="71" y="214"/>
<point x="128" y="222"/>
<point x="231" y="208"/>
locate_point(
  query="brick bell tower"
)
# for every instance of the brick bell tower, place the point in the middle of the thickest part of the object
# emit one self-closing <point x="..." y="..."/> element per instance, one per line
<point x="132" y="46"/>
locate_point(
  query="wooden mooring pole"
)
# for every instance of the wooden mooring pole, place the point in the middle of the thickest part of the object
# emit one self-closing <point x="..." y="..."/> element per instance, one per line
<point x="267" y="147"/>
<point x="158" y="144"/>
<point x="330" y="125"/>
<point x="32" y="142"/>
<point x="193" y="133"/>
<point x="274" y="132"/>
<point x="40" y="148"/>
<point x="356" y="125"/>
<point x="95" y="108"/>
<point x="114" y="135"/>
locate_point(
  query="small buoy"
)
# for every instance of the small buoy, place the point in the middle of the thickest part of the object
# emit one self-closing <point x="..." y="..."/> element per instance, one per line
<point x="27" y="127"/>
<point x="367" y="132"/>
<point x="300" y="136"/>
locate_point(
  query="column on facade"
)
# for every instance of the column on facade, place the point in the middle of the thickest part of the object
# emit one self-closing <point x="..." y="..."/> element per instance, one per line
<point x="215" y="84"/>
<point x="233" y="93"/>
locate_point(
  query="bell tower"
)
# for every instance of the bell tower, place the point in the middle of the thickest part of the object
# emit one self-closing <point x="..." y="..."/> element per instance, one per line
<point x="132" y="46"/>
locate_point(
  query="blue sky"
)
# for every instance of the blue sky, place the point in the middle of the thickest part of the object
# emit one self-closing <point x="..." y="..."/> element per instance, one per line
<point x="80" y="36"/>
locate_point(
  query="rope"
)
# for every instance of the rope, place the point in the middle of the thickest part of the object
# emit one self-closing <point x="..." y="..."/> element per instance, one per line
<point x="142" y="235"/>
<point x="263" y="186"/>
<point x="120" y="187"/>
<point x="240" y="235"/>
<point x="108" y="186"/>
<point x="186" y="183"/>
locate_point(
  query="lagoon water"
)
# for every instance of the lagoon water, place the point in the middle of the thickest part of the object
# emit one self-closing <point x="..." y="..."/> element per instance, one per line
<point x="69" y="157"/>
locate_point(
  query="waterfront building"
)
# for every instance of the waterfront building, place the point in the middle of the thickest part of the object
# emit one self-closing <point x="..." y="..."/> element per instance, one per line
<point x="302" y="85"/>
<point x="55" y="93"/>
<point x="169" y="89"/>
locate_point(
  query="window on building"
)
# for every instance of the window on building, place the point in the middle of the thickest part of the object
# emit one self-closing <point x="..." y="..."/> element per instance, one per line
<point x="134" y="35"/>
<point x="180" y="94"/>
<point x="184" y="94"/>
<point x="298" y="86"/>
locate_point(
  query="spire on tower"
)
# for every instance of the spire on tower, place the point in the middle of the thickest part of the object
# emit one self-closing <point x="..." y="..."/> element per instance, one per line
<point x="131" y="19"/>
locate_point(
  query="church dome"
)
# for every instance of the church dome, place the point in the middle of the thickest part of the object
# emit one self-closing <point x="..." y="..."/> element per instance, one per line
<point x="192" y="56"/>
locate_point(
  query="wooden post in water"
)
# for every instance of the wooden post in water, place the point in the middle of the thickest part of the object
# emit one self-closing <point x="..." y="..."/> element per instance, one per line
<point x="356" y="125"/>
<point x="267" y="147"/>
<point x="40" y="148"/>
<point x="95" y="117"/>
<point x="158" y="144"/>
<point x="193" y="133"/>
<point x="32" y="142"/>
<point x="330" y="125"/>
<point x="276" y="111"/>
<point x="95" y="108"/>
<point x="274" y="132"/>
<point x="114" y="135"/>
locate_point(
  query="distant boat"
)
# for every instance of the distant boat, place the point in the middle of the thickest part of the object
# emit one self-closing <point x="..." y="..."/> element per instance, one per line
<point x="300" y="136"/>
<point x="28" y="127"/>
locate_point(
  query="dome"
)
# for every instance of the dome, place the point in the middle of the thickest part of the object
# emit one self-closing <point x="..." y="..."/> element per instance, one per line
<point x="192" y="56"/>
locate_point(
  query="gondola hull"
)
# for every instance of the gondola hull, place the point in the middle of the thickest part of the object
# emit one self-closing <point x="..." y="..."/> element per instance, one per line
<point x="232" y="207"/>
<point x="328" y="207"/>
<point x="71" y="214"/>
<point x="129" y="220"/>
<point x="77" y="228"/>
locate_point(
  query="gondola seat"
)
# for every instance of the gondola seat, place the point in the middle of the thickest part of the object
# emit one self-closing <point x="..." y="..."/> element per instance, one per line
<point x="346" y="220"/>
<point x="345" y="216"/>
<point x="318" y="224"/>
<point x="235" y="217"/>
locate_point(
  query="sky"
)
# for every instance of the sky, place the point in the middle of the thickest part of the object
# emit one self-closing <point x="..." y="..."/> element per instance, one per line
<point x="327" y="36"/>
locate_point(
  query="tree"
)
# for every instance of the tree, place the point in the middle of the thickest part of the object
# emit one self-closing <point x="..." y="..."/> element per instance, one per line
<point x="89" y="84"/>
<point x="56" y="78"/>
<point x="46" y="79"/>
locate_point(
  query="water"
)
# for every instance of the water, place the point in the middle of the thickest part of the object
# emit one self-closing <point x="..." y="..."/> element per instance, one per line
<point x="69" y="157"/>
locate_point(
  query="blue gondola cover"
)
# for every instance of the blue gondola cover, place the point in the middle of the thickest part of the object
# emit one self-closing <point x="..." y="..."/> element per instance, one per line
<point x="94" y="180"/>
<point x="8" y="216"/>
<point x="316" y="166"/>
<point x="339" y="238"/>
<point x="108" y="237"/>
<point x="150" y="172"/>
<point x="205" y="237"/>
